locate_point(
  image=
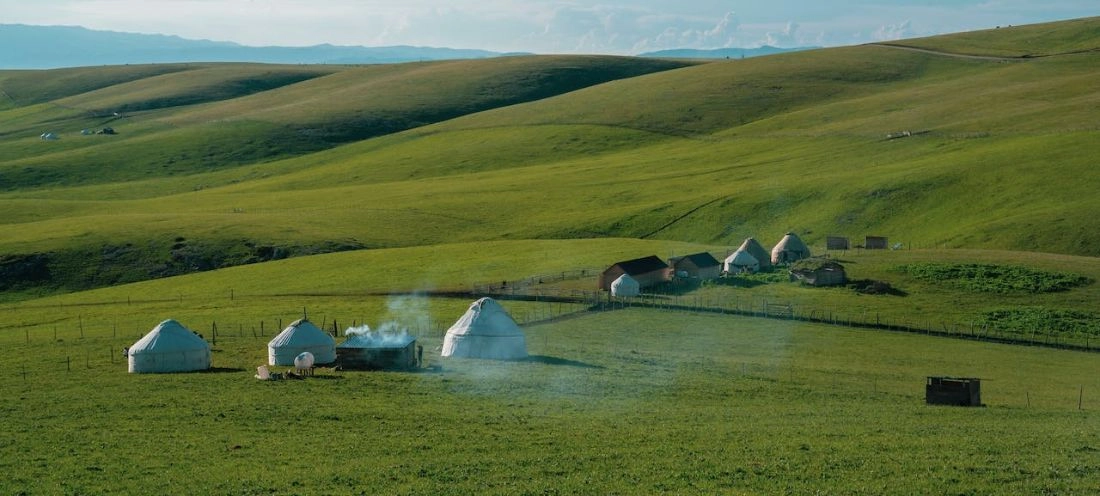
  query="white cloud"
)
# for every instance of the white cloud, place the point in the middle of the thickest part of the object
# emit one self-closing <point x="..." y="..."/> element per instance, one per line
<point x="786" y="38"/>
<point x="569" y="26"/>
<point x="892" y="32"/>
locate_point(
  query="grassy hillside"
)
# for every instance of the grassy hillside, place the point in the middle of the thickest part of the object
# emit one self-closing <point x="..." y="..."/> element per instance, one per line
<point x="1033" y="40"/>
<point x="926" y="148"/>
<point x="202" y="117"/>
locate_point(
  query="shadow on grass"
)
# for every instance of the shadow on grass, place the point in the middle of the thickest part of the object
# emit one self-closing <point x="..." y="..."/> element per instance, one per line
<point x="323" y="377"/>
<point x="873" y="287"/>
<point x="221" y="370"/>
<point x="549" y="360"/>
<point x="737" y="282"/>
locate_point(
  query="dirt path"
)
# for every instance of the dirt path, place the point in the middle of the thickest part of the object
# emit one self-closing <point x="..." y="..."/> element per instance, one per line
<point x="949" y="54"/>
<point x="1020" y="58"/>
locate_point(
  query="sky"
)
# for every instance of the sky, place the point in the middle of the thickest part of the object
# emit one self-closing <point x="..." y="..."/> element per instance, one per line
<point x="580" y="26"/>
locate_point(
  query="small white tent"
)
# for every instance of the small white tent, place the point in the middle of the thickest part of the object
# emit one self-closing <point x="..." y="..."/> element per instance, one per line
<point x="757" y="251"/>
<point x="789" y="249"/>
<point x="740" y="261"/>
<point x="485" y="331"/>
<point x="625" y="286"/>
<point x="301" y="336"/>
<point x="169" y="347"/>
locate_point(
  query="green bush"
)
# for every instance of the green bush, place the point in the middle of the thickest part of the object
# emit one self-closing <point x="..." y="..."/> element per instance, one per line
<point x="987" y="278"/>
<point x="1042" y="320"/>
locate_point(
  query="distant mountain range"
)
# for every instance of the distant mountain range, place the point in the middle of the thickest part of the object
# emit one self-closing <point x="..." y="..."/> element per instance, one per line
<point x="47" y="47"/>
<point x="722" y="53"/>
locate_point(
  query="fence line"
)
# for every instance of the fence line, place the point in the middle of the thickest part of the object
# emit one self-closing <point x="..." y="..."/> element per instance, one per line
<point x="529" y="290"/>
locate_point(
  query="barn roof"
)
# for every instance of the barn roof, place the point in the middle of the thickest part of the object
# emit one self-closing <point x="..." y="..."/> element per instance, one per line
<point x="701" y="260"/>
<point x="642" y="265"/>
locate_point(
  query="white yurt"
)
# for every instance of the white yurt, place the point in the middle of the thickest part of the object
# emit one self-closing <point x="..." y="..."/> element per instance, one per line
<point x="740" y="262"/>
<point x="790" y="249"/>
<point x="485" y="331"/>
<point x="625" y="286"/>
<point x="301" y="336"/>
<point x="762" y="255"/>
<point x="169" y="347"/>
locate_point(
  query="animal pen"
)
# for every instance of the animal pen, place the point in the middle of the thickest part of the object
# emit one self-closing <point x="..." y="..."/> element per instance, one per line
<point x="837" y="243"/>
<point x="876" y="242"/>
<point x="958" y="391"/>
<point x="396" y="353"/>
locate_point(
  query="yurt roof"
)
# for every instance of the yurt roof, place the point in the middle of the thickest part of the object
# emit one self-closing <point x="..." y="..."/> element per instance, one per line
<point x="742" y="257"/>
<point x="301" y="332"/>
<point x="754" y="248"/>
<point x="169" y="335"/>
<point x="625" y="280"/>
<point x="790" y="242"/>
<point x="486" y="317"/>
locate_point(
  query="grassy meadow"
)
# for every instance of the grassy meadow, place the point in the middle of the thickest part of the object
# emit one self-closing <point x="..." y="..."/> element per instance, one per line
<point x="616" y="402"/>
<point x="236" y="197"/>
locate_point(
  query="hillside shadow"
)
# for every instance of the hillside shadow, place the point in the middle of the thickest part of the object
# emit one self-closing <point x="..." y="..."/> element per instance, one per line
<point x="549" y="360"/>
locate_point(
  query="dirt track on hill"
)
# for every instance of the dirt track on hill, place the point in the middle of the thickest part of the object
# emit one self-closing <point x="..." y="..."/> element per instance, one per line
<point x="1020" y="58"/>
<point x="949" y="54"/>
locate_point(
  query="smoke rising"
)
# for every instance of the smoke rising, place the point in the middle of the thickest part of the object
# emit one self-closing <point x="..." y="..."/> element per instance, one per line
<point x="389" y="334"/>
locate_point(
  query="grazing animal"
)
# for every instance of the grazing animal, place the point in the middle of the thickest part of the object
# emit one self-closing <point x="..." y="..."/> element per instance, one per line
<point x="303" y="364"/>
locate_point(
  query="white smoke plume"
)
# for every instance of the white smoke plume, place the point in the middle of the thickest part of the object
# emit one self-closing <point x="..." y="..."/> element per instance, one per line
<point x="388" y="334"/>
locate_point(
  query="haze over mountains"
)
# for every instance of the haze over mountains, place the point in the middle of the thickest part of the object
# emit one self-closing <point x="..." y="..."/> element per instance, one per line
<point x="49" y="47"/>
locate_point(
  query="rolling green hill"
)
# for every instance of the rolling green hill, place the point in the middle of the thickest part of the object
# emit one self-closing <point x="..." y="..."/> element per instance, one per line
<point x="234" y="197"/>
<point x="217" y="165"/>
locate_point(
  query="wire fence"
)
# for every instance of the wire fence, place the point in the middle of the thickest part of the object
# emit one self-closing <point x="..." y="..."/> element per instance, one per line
<point x="93" y="344"/>
<point x="82" y="350"/>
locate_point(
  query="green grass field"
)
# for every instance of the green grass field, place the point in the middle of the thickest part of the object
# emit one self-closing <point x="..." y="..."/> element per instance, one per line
<point x="617" y="402"/>
<point x="242" y="195"/>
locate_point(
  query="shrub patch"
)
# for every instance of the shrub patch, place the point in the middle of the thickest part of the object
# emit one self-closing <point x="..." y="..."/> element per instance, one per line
<point x="1047" y="321"/>
<point x="987" y="278"/>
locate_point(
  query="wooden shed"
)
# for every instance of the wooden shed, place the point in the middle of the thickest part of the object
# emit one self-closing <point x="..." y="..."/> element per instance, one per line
<point x="368" y="354"/>
<point x="876" y="243"/>
<point x="818" y="272"/>
<point x="648" y="271"/>
<point x="837" y="243"/>
<point x="700" y="265"/>
<point x="958" y="391"/>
